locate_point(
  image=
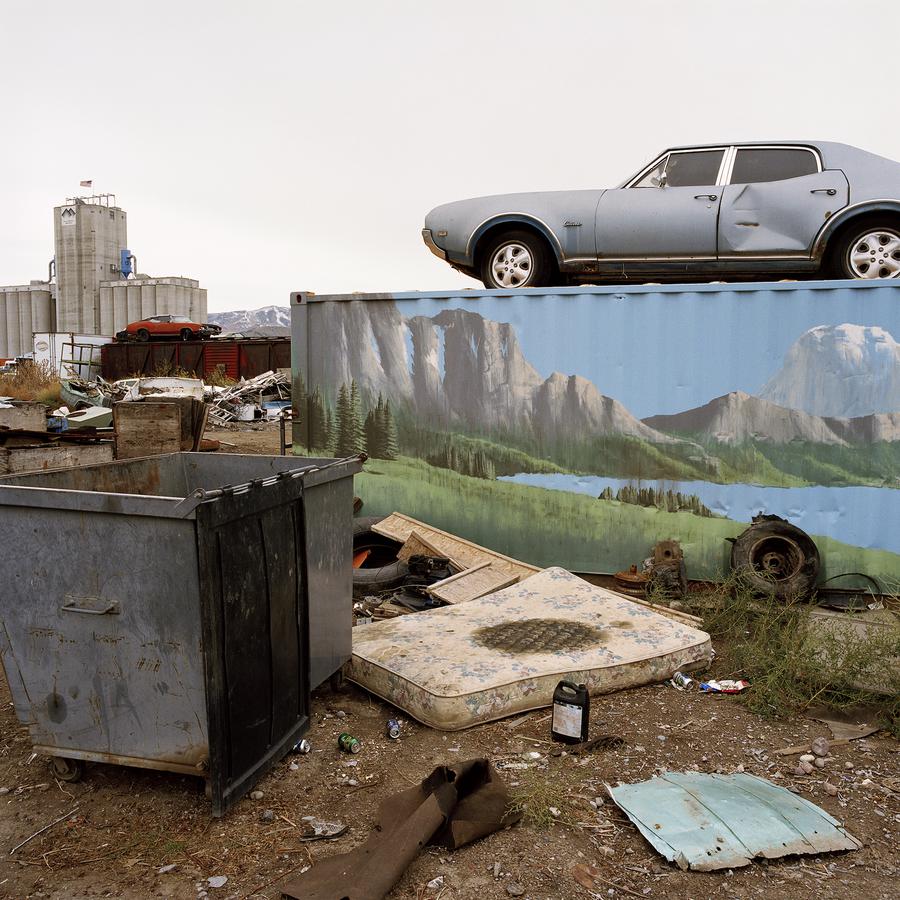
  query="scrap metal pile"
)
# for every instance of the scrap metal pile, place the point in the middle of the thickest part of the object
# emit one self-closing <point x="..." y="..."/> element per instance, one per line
<point x="268" y="393"/>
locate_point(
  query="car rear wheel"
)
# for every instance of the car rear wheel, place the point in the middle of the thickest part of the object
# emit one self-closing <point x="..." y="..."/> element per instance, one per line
<point x="870" y="252"/>
<point x="516" y="259"/>
<point x="186" y="334"/>
<point x="143" y="334"/>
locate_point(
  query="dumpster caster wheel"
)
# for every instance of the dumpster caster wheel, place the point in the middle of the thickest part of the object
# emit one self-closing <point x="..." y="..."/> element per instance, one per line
<point x="67" y="769"/>
<point x="337" y="682"/>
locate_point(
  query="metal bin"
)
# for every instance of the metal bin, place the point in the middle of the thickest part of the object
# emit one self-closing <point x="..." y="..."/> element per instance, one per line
<point x="174" y="612"/>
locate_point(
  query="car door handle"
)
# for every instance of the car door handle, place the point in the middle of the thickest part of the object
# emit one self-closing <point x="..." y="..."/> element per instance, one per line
<point x="830" y="191"/>
<point x="706" y="196"/>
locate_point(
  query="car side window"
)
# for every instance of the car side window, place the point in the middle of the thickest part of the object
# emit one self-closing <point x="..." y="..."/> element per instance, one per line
<point x="694" y="168"/>
<point x="756" y="164"/>
<point x="651" y="179"/>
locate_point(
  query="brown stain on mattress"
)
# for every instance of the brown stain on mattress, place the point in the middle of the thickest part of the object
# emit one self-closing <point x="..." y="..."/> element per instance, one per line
<point x="539" y="636"/>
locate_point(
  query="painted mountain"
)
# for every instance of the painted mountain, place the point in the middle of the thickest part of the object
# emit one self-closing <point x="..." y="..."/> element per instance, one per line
<point x="459" y="373"/>
<point x="738" y="418"/>
<point x="269" y="321"/>
<point x="839" y="370"/>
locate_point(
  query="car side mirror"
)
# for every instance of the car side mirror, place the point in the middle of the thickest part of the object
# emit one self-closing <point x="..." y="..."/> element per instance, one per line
<point x="663" y="180"/>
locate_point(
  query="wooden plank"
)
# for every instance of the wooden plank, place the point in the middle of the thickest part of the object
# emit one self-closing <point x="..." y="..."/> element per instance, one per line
<point x="399" y="527"/>
<point x="53" y="456"/>
<point x="416" y="544"/>
<point x="471" y="584"/>
<point x="147" y="428"/>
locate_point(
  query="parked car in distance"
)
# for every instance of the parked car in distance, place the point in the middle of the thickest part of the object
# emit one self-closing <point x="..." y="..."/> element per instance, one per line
<point x="741" y="211"/>
<point x="169" y="328"/>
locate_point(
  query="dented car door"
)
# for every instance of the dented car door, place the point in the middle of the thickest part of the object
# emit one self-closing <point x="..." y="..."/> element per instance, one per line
<point x="776" y="202"/>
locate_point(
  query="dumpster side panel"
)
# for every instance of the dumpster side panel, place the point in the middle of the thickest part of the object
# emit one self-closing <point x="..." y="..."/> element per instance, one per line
<point x="579" y="426"/>
<point x="94" y="666"/>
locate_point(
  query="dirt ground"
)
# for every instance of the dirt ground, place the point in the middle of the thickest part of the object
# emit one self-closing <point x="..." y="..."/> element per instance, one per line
<point x="136" y="833"/>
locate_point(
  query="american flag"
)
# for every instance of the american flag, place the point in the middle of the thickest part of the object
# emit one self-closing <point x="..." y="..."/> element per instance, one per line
<point x="85" y="183"/>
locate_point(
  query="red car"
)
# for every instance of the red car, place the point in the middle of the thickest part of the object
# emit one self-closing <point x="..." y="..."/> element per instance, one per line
<point x="168" y="328"/>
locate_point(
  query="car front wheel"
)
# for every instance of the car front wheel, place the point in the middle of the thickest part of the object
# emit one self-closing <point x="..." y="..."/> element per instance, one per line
<point x="871" y="252"/>
<point x="516" y="259"/>
<point x="143" y="334"/>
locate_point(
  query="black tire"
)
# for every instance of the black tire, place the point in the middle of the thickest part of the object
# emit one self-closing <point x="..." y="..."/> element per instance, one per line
<point x="853" y="241"/>
<point x="143" y="334"/>
<point x="541" y="264"/>
<point x="776" y="558"/>
<point x="387" y="571"/>
<point x="187" y="334"/>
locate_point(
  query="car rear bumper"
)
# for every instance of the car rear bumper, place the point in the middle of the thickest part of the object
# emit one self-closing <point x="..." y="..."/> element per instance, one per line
<point x="431" y="245"/>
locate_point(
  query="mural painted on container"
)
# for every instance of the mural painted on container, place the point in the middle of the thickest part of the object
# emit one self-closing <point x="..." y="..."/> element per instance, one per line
<point x="579" y="429"/>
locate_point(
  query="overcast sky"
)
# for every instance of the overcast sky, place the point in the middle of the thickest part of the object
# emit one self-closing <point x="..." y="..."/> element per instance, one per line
<point x="264" y="147"/>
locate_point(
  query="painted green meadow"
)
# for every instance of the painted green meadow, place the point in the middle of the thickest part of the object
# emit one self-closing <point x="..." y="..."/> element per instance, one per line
<point x="544" y="527"/>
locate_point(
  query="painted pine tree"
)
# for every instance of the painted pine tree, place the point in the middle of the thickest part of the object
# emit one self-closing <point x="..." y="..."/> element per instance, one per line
<point x="356" y="432"/>
<point x="389" y="447"/>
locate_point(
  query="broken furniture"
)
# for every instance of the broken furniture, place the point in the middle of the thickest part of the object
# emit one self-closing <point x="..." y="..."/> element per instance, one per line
<point x="174" y="612"/>
<point x="504" y="653"/>
<point x="707" y="822"/>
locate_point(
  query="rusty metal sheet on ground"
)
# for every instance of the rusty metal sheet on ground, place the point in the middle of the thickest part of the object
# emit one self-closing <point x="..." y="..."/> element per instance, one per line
<point x="707" y="822"/>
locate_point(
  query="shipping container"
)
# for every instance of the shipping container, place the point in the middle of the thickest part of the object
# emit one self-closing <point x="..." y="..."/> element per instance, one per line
<point x="69" y="354"/>
<point x="579" y="426"/>
<point x="234" y="357"/>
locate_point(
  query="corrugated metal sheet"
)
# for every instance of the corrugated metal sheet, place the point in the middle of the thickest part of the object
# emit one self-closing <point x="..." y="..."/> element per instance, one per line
<point x="579" y="426"/>
<point x="707" y="822"/>
<point x="241" y="357"/>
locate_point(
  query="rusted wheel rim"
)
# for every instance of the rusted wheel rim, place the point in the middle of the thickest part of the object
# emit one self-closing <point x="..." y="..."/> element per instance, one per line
<point x="777" y="557"/>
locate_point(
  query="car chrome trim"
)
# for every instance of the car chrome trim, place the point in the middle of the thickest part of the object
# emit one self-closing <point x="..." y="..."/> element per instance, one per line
<point x="724" y="147"/>
<point x="835" y="221"/>
<point x="737" y="147"/>
<point x="432" y="246"/>
<point x="523" y="217"/>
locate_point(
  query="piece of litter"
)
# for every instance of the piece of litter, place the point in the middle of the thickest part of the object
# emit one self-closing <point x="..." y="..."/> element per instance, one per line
<point x="554" y="812"/>
<point x="217" y="881"/>
<point x="436" y="883"/>
<point x="314" y="829"/>
<point x="169" y="868"/>
<point x="707" y="822"/>
<point x="256" y="795"/>
<point x="724" y="686"/>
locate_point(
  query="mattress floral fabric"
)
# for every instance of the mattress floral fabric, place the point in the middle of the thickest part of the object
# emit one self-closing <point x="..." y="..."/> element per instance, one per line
<point x="503" y="654"/>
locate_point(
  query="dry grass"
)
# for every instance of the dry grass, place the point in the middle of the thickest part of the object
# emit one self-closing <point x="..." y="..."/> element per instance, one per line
<point x="792" y="666"/>
<point x="31" y="381"/>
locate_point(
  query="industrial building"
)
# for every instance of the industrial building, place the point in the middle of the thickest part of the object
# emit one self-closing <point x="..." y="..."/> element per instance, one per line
<point x="92" y="286"/>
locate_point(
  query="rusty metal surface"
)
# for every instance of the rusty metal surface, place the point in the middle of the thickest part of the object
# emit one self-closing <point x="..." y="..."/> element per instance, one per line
<point x="238" y="357"/>
<point x="105" y="631"/>
<point x="707" y="822"/>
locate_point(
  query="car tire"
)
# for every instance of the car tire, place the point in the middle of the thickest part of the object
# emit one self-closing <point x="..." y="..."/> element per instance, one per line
<point x="516" y="259"/>
<point x="869" y="251"/>
<point x="390" y="572"/>
<point x="143" y="334"/>
<point x="187" y="334"/>
<point x="776" y="559"/>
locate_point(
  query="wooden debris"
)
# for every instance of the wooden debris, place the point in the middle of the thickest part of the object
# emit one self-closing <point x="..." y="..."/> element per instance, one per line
<point x="470" y="584"/>
<point x="399" y="527"/>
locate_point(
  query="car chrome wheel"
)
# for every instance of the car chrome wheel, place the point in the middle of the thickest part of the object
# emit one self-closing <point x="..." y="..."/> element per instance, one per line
<point x="875" y="254"/>
<point x="512" y="265"/>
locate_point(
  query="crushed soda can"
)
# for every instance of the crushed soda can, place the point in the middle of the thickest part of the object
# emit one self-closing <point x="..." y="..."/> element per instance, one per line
<point x="682" y="681"/>
<point x="393" y="729"/>
<point x="724" y="686"/>
<point x="348" y="743"/>
<point x="303" y="746"/>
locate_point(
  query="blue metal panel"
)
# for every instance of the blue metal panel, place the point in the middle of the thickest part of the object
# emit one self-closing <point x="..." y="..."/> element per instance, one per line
<point x="516" y="410"/>
<point x="708" y="822"/>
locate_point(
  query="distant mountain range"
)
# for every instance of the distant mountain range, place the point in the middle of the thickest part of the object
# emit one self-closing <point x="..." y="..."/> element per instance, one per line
<point x="269" y="321"/>
<point x="459" y="370"/>
<point x="737" y="418"/>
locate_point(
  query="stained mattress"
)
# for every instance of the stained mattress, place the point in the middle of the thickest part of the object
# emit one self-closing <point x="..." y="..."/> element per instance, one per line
<point x="503" y="654"/>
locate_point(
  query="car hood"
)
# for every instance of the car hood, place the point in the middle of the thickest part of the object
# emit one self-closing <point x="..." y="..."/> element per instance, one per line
<point x="463" y="217"/>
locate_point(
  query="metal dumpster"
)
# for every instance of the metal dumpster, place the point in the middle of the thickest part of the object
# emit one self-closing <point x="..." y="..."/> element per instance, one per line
<point x="174" y="612"/>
